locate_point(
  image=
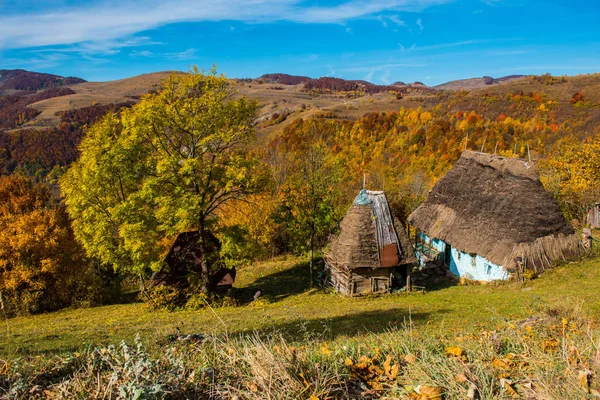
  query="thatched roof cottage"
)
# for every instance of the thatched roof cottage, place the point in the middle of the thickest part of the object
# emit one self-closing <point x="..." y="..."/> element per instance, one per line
<point x="370" y="244"/>
<point x="490" y="218"/>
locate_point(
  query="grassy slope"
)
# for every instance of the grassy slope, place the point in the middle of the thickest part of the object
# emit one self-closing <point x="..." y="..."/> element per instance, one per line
<point x="289" y="306"/>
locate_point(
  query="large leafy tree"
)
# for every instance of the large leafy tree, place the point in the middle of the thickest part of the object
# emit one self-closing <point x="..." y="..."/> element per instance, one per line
<point x="164" y="166"/>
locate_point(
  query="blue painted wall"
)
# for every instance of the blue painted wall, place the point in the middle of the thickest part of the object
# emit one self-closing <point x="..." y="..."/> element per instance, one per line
<point x="464" y="265"/>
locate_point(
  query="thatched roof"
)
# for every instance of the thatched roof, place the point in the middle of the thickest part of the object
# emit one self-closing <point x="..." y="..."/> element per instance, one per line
<point x="369" y="236"/>
<point x="496" y="207"/>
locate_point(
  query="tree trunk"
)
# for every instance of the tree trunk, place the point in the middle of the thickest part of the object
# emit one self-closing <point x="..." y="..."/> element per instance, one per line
<point x="204" y="271"/>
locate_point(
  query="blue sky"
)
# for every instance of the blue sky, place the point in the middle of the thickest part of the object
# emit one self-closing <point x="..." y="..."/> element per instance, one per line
<point x="432" y="41"/>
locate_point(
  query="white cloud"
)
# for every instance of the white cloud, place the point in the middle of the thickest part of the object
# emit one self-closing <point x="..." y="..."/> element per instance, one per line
<point x="188" y="54"/>
<point x="143" y="53"/>
<point x="500" y="53"/>
<point x="110" y="19"/>
<point x="392" y="18"/>
<point x="420" y="24"/>
<point x="395" y="19"/>
<point x="108" y="47"/>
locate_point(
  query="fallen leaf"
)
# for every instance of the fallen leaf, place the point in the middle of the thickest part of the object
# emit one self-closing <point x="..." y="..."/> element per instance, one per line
<point x="252" y="387"/>
<point x="501" y="363"/>
<point x="430" y="392"/>
<point x="410" y="358"/>
<point x="454" y="351"/>
<point x="460" y="378"/>
<point x="550" y="346"/>
<point x="472" y="392"/>
<point x="394" y="371"/>
<point x="387" y="364"/>
<point x="348" y="361"/>
<point x="507" y="385"/>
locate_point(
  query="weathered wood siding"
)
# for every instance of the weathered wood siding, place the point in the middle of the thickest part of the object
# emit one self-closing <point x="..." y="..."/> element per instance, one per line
<point x="360" y="281"/>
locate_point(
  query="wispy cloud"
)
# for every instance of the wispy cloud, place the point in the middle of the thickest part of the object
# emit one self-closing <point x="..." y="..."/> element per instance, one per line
<point x="461" y="43"/>
<point x="110" y="20"/>
<point x="142" y="53"/>
<point x="500" y="53"/>
<point x="188" y="54"/>
<point x="395" y="19"/>
<point x="38" y="61"/>
<point x="420" y="24"/>
<point x="102" y="48"/>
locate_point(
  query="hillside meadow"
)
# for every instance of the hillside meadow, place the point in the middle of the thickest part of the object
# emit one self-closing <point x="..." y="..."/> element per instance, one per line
<point x="456" y="334"/>
<point x="276" y="337"/>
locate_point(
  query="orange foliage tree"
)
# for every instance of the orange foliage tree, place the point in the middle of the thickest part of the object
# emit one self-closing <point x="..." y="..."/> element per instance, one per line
<point x="42" y="268"/>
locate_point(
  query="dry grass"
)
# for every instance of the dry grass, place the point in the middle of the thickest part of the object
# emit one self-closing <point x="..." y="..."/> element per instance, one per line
<point x="546" y="356"/>
<point x="540" y="339"/>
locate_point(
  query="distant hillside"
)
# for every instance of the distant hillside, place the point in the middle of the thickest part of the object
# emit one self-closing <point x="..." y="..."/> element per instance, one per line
<point x="21" y="80"/>
<point x="476" y="83"/>
<point x="284" y="79"/>
<point x="90" y="94"/>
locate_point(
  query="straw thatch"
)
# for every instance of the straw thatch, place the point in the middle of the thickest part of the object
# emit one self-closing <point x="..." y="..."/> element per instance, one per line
<point x="497" y="208"/>
<point x="368" y="234"/>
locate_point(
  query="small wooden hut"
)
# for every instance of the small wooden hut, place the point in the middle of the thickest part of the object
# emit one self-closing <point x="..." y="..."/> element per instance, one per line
<point x="370" y="245"/>
<point x="184" y="256"/>
<point x="490" y="218"/>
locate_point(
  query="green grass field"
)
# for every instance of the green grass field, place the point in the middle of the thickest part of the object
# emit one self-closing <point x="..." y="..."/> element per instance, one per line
<point x="288" y="305"/>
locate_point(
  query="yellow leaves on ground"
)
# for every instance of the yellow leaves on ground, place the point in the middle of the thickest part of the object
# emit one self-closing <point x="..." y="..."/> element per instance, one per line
<point x="325" y="350"/>
<point x="550" y="345"/>
<point x="410" y="358"/>
<point x="454" y="351"/>
<point x="508" y="387"/>
<point x="425" y="392"/>
<point x="375" y="375"/>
